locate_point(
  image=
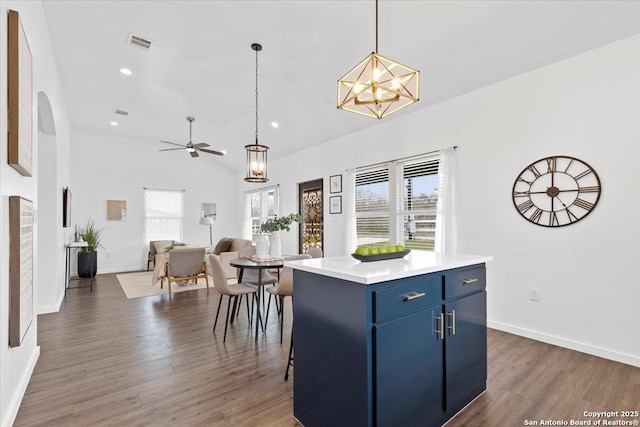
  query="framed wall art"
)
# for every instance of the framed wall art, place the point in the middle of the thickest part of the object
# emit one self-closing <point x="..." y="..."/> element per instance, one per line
<point x="66" y="207"/>
<point x="335" y="204"/>
<point x="335" y="184"/>
<point x="116" y="210"/>
<point x="20" y="268"/>
<point x="19" y="96"/>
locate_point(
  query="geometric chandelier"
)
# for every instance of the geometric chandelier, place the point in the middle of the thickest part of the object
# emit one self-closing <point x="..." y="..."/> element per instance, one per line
<point x="378" y="86"/>
<point x="256" y="153"/>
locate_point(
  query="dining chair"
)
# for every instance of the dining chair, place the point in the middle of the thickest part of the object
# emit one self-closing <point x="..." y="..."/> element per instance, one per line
<point x="186" y="264"/>
<point x="283" y="289"/>
<point x="231" y="291"/>
<point x="315" y="252"/>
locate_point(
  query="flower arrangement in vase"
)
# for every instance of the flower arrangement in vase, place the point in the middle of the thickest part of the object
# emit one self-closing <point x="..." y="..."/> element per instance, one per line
<point x="274" y="226"/>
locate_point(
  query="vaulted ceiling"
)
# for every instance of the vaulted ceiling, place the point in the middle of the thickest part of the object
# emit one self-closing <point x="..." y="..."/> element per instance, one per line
<point x="200" y="62"/>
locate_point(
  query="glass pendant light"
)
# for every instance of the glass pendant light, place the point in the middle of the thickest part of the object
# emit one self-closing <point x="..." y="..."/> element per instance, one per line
<point x="378" y="86"/>
<point x="256" y="153"/>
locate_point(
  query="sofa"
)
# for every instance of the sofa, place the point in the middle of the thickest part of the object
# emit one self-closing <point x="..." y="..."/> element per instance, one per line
<point x="227" y="249"/>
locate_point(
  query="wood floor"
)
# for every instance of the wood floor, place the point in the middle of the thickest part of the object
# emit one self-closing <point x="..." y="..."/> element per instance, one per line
<point x="107" y="360"/>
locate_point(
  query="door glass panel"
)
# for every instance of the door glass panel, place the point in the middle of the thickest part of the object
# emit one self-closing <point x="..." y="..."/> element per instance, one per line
<point x="311" y="230"/>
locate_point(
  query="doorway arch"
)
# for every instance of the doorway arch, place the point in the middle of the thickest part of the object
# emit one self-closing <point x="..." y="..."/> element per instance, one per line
<point x="49" y="274"/>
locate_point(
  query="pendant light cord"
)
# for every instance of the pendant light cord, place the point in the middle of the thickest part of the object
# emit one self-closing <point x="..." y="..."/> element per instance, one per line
<point x="256" y="97"/>
<point x="376" y="26"/>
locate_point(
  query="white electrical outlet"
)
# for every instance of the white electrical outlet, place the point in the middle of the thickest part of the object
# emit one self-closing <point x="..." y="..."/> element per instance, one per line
<point x="534" y="294"/>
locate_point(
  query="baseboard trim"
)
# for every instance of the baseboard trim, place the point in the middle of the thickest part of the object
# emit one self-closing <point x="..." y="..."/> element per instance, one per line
<point x="119" y="270"/>
<point x="567" y="343"/>
<point x="16" y="399"/>
<point x="52" y="308"/>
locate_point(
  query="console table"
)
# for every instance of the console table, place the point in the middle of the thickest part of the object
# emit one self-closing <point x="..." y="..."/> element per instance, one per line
<point x="73" y="248"/>
<point x="389" y="343"/>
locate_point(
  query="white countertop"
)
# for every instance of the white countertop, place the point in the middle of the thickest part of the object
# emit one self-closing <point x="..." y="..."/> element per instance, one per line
<point x="414" y="264"/>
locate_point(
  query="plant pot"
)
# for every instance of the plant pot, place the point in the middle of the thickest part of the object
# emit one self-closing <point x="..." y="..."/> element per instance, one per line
<point x="87" y="264"/>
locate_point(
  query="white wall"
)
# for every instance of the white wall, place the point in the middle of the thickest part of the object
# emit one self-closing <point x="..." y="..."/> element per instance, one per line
<point x="16" y="364"/>
<point x="586" y="107"/>
<point x="111" y="168"/>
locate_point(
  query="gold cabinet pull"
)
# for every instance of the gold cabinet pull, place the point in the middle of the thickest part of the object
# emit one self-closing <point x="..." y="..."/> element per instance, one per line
<point x="469" y="281"/>
<point x="452" y="325"/>
<point x="414" y="295"/>
<point x="440" y="332"/>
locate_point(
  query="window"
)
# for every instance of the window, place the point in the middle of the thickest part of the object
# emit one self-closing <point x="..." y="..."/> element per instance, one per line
<point x="260" y="205"/>
<point x="396" y="203"/>
<point x="372" y="206"/>
<point x="163" y="214"/>
<point x="417" y="203"/>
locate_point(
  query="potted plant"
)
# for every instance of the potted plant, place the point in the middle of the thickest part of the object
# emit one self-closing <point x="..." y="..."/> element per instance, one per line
<point x="88" y="255"/>
<point x="274" y="226"/>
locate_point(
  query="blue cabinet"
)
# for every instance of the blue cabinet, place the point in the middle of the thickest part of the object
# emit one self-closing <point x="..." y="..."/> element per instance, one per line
<point x="466" y="350"/>
<point x="409" y="352"/>
<point x="408" y="370"/>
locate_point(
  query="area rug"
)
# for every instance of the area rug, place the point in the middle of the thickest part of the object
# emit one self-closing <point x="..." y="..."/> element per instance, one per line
<point x="138" y="285"/>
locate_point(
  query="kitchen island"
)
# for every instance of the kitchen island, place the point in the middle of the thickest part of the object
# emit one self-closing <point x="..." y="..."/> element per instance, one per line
<point x="388" y="343"/>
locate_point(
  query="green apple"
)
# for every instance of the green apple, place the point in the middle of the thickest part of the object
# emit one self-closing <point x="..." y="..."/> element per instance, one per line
<point x="382" y="250"/>
<point x="391" y="248"/>
<point x="362" y="251"/>
<point x="373" y="251"/>
<point x="399" y="248"/>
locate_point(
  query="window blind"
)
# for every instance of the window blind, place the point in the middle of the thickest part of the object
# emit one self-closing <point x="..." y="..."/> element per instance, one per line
<point x="372" y="195"/>
<point x="396" y="203"/>
<point x="416" y="202"/>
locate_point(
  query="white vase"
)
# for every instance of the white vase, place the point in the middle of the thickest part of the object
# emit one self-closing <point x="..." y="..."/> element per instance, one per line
<point x="262" y="246"/>
<point x="275" y="245"/>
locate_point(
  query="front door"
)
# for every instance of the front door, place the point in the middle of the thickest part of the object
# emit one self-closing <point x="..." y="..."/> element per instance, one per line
<point x="311" y="210"/>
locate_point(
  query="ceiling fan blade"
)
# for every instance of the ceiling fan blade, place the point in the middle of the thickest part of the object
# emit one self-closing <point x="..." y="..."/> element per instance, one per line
<point x="171" y="149"/>
<point x="218" y="153"/>
<point x="194" y="154"/>
<point x="173" y="143"/>
<point x="201" y="145"/>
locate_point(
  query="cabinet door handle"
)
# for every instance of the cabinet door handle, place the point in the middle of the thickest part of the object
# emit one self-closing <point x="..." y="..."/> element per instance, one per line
<point x="469" y="281"/>
<point x="452" y="325"/>
<point x="414" y="295"/>
<point x="440" y="332"/>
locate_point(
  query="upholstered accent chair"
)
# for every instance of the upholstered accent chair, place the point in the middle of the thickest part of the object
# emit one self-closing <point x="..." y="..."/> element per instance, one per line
<point x="186" y="264"/>
<point x="153" y="250"/>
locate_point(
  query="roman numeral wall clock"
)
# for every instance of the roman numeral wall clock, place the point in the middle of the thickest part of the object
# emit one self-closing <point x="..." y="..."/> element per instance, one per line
<point x="556" y="191"/>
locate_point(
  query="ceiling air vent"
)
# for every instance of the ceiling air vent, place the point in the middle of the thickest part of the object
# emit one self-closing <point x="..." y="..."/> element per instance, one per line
<point x="139" y="42"/>
<point x="121" y="112"/>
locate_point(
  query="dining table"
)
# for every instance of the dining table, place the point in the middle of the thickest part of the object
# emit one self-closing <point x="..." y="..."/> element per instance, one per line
<point x="261" y="266"/>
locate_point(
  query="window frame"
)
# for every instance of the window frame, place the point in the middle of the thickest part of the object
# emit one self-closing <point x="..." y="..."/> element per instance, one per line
<point x="395" y="210"/>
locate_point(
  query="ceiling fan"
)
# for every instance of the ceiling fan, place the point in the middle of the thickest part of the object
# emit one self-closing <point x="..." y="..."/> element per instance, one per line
<point x="191" y="147"/>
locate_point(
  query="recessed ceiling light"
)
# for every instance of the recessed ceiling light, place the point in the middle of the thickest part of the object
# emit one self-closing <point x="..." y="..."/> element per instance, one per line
<point x="275" y="124"/>
<point x="223" y="151"/>
<point x="126" y="71"/>
<point x="114" y="123"/>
